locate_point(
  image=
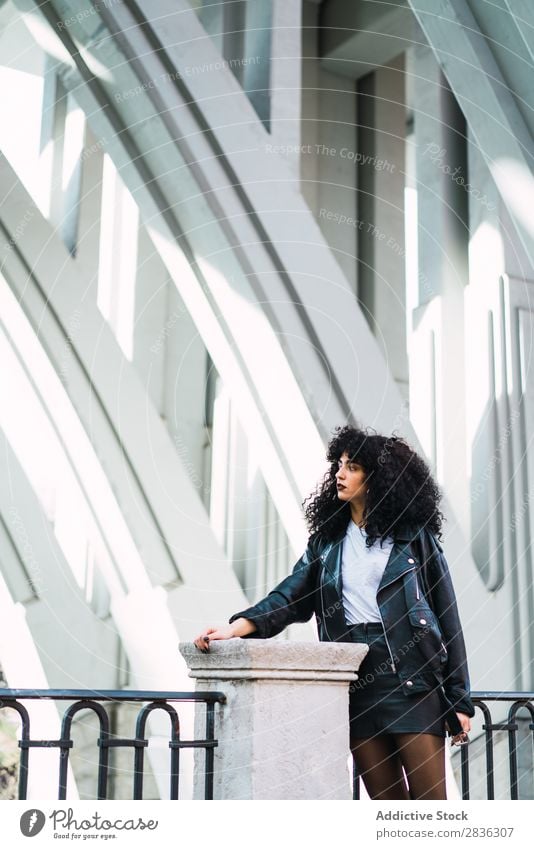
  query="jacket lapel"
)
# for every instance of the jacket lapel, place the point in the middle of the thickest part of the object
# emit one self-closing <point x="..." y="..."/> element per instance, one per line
<point x="397" y="564"/>
<point x="331" y="558"/>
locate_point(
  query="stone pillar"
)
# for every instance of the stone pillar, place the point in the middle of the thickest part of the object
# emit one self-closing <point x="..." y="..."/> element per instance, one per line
<point x="283" y="732"/>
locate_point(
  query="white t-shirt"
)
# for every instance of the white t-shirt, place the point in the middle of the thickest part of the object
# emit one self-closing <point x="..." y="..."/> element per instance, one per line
<point x="361" y="571"/>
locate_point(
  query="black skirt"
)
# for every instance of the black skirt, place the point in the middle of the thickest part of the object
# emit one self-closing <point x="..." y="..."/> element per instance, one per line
<point x="377" y="703"/>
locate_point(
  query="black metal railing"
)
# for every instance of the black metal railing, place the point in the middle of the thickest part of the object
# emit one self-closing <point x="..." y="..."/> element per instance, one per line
<point x="517" y="702"/>
<point x="95" y="700"/>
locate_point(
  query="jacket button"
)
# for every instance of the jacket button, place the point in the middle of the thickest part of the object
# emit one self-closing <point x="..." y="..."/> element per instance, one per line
<point x="422" y="621"/>
<point x="411" y="560"/>
<point x="409" y="683"/>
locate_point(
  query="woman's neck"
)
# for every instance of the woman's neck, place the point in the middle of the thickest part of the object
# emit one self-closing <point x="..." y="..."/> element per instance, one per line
<point x="357" y="515"/>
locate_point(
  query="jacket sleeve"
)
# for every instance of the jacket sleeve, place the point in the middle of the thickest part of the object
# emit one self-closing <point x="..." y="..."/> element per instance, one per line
<point x="443" y="600"/>
<point x="292" y="600"/>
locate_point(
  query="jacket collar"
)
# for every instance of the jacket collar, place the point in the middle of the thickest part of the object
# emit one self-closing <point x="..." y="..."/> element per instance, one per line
<point x="397" y="564"/>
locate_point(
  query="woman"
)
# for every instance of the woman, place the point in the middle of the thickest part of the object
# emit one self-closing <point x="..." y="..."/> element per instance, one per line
<point x="374" y="572"/>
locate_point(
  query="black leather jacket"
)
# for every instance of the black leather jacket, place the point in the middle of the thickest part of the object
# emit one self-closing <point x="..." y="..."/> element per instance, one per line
<point x="416" y="601"/>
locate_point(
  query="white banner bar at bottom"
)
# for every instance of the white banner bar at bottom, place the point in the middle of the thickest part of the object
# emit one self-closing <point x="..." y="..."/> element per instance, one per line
<point x="258" y="824"/>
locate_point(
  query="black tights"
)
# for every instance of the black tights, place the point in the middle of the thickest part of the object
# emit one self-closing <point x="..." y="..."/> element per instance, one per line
<point x="380" y="760"/>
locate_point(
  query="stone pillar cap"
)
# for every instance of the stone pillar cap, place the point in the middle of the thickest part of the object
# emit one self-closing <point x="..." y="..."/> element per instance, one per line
<point x="255" y="658"/>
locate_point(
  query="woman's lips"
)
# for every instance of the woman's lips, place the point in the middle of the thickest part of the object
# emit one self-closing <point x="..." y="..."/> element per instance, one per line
<point x="340" y="486"/>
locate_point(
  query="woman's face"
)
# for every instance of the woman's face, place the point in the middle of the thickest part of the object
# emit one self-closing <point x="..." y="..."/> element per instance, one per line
<point x="350" y="480"/>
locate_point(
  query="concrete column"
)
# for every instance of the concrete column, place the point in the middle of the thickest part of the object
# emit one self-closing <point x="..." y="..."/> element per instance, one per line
<point x="88" y="243"/>
<point x="380" y="231"/>
<point x="327" y="151"/>
<point x="283" y="732"/>
<point x="285" y="77"/>
<point x="439" y="321"/>
<point x="255" y="75"/>
<point x="440" y="134"/>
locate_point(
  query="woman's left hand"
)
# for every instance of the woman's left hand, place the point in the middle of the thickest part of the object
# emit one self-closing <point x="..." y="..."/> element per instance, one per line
<point x="465" y="721"/>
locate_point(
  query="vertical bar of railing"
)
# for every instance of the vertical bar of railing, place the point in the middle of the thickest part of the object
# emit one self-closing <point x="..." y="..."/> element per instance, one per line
<point x="175" y="753"/>
<point x="512" y="748"/>
<point x="490" y="767"/>
<point x="138" y="773"/>
<point x="487" y="727"/>
<point x="103" y="764"/>
<point x="24" y="749"/>
<point x="464" y="758"/>
<point x="23" y="773"/>
<point x="139" y="758"/>
<point x="64" y="746"/>
<point x="175" y="774"/>
<point x="209" y="759"/>
<point x="64" y="757"/>
<point x="63" y="771"/>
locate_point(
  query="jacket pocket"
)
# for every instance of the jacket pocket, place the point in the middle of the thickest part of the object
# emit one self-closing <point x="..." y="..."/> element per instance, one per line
<point x="427" y="634"/>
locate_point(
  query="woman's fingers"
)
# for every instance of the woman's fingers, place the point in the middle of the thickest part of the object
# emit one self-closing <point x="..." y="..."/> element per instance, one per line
<point x="202" y="642"/>
<point x="465" y="721"/>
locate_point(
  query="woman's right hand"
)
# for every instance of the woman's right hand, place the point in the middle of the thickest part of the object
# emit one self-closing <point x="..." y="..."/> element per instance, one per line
<point x="238" y="628"/>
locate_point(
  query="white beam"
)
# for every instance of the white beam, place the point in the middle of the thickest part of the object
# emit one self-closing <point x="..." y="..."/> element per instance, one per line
<point x="487" y="102"/>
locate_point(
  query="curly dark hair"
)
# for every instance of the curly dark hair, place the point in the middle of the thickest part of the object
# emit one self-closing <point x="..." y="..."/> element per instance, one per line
<point x="402" y="494"/>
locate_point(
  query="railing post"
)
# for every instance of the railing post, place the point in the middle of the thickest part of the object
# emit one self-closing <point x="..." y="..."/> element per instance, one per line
<point x="283" y="732"/>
